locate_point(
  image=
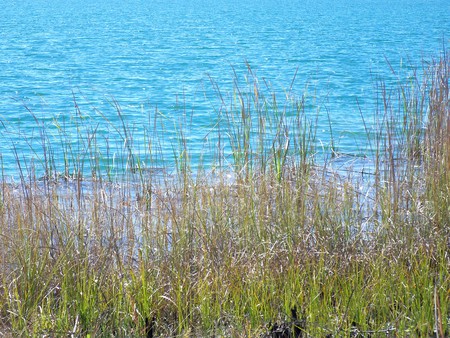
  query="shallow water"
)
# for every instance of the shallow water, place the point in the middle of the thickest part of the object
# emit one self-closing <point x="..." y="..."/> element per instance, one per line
<point x="67" y="62"/>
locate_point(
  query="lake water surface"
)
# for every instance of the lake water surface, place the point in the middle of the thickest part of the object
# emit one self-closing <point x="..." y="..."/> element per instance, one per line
<point x="63" y="64"/>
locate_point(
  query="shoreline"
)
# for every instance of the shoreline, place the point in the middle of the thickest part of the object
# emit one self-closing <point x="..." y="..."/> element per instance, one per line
<point x="279" y="245"/>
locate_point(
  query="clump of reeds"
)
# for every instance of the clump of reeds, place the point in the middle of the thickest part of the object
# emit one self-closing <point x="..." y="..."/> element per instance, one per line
<point x="266" y="241"/>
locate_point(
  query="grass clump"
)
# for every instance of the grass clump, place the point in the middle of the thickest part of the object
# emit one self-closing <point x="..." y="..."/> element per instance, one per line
<point x="268" y="241"/>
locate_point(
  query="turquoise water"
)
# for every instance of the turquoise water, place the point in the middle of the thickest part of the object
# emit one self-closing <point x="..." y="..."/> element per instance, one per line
<point x="64" y="63"/>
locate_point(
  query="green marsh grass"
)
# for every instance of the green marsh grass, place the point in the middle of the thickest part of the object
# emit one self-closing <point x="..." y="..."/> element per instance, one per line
<point x="270" y="239"/>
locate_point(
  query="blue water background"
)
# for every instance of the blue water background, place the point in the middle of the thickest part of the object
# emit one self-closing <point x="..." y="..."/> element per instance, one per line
<point x="64" y="64"/>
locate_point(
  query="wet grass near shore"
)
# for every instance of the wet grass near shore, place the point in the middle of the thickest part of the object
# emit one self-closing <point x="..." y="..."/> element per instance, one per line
<point x="275" y="239"/>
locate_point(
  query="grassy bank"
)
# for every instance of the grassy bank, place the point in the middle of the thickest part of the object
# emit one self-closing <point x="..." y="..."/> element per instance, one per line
<point x="269" y="240"/>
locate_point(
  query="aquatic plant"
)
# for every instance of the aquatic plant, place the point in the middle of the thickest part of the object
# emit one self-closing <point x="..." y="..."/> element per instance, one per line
<point x="270" y="240"/>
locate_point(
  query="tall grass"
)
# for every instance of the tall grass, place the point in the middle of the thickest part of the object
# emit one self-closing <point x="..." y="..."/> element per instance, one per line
<point x="267" y="241"/>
